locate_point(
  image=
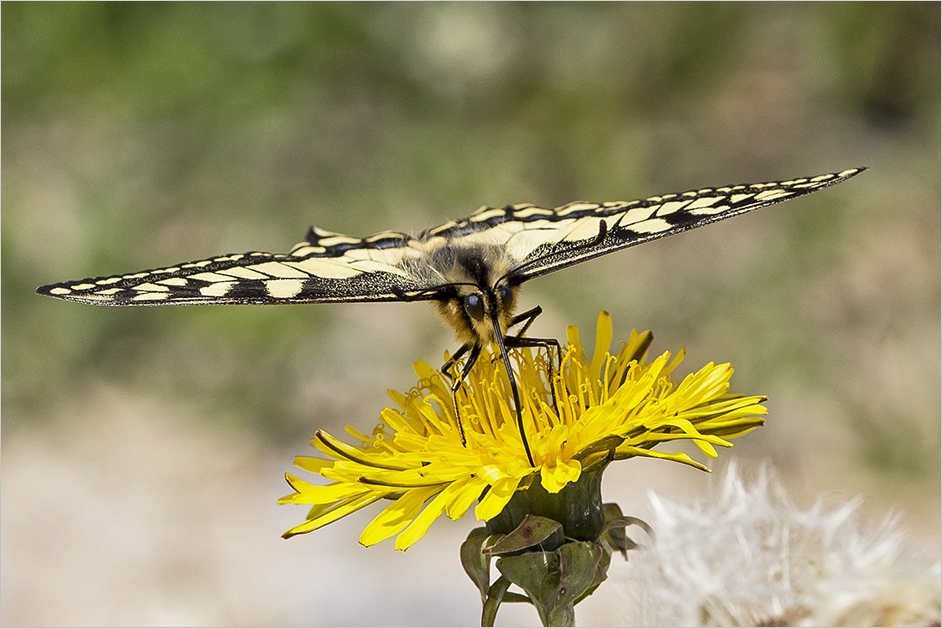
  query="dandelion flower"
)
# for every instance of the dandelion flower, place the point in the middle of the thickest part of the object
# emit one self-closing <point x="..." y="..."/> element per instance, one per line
<point x="578" y="418"/>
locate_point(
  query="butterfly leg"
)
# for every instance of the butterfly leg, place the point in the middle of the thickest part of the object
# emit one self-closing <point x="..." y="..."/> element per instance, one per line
<point x="553" y="366"/>
<point x="527" y="318"/>
<point x="514" y="390"/>
<point x="517" y="340"/>
<point x="457" y="381"/>
<point x="446" y="367"/>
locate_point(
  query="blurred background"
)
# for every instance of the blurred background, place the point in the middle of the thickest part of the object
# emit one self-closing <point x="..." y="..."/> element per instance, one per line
<point x="143" y="450"/>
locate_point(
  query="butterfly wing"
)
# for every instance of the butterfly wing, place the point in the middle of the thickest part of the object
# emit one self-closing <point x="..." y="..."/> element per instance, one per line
<point x="527" y="240"/>
<point x="325" y="267"/>
<point x="537" y="241"/>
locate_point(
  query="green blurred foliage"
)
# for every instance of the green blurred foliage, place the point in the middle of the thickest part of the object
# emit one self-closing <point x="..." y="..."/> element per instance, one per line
<point x="138" y="134"/>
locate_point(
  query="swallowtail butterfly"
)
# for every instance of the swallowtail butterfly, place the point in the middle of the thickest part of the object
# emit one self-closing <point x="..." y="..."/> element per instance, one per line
<point x="472" y="268"/>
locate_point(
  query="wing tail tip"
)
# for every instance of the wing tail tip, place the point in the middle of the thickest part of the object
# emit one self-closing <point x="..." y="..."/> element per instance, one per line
<point x="63" y="293"/>
<point x="52" y="290"/>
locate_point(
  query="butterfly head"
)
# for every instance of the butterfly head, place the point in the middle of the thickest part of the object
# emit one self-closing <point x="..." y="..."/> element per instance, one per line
<point x="481" y="297"/>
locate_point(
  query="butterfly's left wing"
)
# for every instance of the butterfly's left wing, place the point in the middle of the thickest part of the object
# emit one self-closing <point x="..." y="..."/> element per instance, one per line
<point x="537" y="241"/>
<point x="325" y="267"/>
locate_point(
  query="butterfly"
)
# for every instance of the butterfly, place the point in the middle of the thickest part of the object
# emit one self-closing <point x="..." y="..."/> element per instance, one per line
<point x="472" y="268"/>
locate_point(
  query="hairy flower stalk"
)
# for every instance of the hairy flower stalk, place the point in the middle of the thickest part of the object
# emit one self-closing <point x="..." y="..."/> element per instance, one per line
<point x="545" y="521"/>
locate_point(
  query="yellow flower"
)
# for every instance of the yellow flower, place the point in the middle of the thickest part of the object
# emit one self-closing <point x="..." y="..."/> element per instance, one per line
<point x="605" y="407"/>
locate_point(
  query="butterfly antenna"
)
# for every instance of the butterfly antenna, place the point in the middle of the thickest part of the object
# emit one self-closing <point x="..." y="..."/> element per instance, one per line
<point x="513" y="388"/>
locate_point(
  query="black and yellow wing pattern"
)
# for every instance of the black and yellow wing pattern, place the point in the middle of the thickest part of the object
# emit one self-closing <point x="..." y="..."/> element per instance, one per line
<point x="521" y="241"/>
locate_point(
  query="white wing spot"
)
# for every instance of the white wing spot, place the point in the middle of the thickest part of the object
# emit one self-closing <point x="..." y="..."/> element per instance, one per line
<point x="738" y="198"/>
<point x="320" y="267"/>
<point x="219" y="289"/>
<point x="706" y="211"/>
<point x="584" y="229"/>
<point x="768" y="195"/>
<point x="151" y="296"/>
<point x="386" y="256"/>
<point x="654" y="225"/>
<point x="671" y="207"/>
<point x="304" y="249"/>
<point x="242" y="273"/>
<point x="578" y="206"/>
<point x="526" y="212"/>
<point x="281" y="270"/>
<point x="338" y="239"/>
<point x="385" y="235"/>
<point x="174" y="281"/>
<point x="231" y="258"/>
<point x="108" y="281"/>
<point x="211" y="277"/>
<point x="284" y="288"/>
<point x="487" y="214"/>
<point x="60" y="291"/>
<point x="636" y="215"/>
<point x="151" y="287"/>
<point x="83" y="286"/>
<point x="451" y="224"/>
<point x="706" y="201"/>
<point x="810" y="184"/>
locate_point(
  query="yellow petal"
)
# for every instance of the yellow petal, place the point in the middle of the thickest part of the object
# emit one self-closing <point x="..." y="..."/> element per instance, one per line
<point x="429" y="514"/>
<point x="396" y="516"/>
<point x="603" y="340"/>
<point x="555" y="479"/>
<point x="469" y="493"/>
<point x="312" y="464"/>
<point x="496" y="498"/>
<point x="341" y="511"/>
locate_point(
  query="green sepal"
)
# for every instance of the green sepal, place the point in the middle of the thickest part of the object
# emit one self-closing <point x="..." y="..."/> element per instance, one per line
<point x="555" y="581"/>
<point x="476" y="564"/>
<point x="532" y="531"/>
<point x="601" y="573"/>
<point x="614" y="536"/>
<point x="613" y="532"/>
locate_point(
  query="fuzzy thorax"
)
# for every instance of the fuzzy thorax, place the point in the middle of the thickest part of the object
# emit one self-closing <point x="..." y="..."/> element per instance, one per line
<point x="481" y="291"/>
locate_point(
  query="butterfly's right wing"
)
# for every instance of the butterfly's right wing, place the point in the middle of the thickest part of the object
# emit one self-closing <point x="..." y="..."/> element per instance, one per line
<point x="581" y="231"/>
<point x="325" y="267"/>
<point x="534" y="241"/>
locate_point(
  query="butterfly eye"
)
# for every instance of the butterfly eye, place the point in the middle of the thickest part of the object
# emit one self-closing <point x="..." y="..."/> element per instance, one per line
<point x="474" y="306"/>
<point x="506" y="295"/>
